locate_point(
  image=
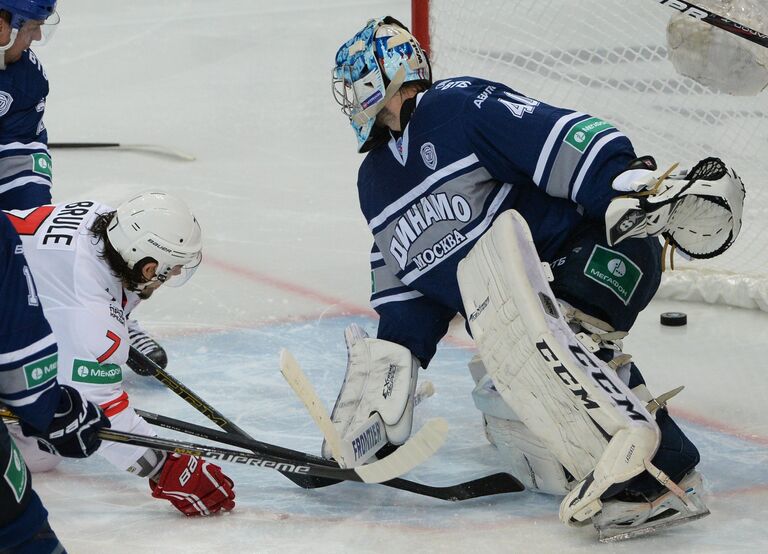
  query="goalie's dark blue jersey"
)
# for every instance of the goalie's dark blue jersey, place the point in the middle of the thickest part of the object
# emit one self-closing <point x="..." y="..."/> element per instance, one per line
<point x="471" y="150"/>
<point x="28" y="352"/>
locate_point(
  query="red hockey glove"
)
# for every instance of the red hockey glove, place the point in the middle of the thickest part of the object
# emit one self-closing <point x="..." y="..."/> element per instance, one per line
<point x="194" y="486"/>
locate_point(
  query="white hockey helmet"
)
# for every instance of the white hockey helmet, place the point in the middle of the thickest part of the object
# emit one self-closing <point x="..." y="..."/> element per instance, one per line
<point x="159" y="226"/>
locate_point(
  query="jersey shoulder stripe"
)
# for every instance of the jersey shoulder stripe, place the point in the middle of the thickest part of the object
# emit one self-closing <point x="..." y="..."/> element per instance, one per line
<point x="394" y="209"/>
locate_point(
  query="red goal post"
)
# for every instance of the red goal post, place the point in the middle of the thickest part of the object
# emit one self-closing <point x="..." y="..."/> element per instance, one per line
<point x="610" y="58"/>
<point x="420" y="22"/>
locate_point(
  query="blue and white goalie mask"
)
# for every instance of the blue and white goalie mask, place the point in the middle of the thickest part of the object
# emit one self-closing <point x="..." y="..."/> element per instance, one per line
<point x="371" y="67"/>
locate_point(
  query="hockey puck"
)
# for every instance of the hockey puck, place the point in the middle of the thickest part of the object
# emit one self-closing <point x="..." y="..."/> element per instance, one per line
<point x="674" y="319"/>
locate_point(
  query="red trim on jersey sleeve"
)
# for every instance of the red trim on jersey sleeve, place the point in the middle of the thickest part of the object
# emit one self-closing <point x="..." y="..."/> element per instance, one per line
<point x="29" y="224"/>
<point x="115" y="406"/>
<point x="111" y="350"/>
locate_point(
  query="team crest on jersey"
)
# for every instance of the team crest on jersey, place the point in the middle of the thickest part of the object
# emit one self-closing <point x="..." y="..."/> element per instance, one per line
<point x="41" y="164"/>
<point x="614" y="271"/>
<point x="5" y="102"/>
<point x="16" y="473"/>
<point x="429" y="155"/>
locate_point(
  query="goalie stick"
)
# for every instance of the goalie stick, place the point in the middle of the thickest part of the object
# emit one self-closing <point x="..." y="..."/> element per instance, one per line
<point x="498" y="483"/>
<point x="346" y="452"/>
<point x="414" y="451"/>
<point x="149" y="148"/>
<point x="729" y="25"/>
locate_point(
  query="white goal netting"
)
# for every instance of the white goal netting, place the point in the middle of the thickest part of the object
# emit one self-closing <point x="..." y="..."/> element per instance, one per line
<point x="610" y="58"/>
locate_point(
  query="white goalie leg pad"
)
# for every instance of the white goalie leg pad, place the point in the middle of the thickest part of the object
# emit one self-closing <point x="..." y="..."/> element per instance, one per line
<point x="584" y="414"/>
<point x="523" y="452"/>
<point x="381" y="381"/>
<point x="699" y="211"/>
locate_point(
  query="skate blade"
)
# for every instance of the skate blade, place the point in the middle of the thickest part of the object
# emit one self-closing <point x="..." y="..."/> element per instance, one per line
<point x="617" y="534"/>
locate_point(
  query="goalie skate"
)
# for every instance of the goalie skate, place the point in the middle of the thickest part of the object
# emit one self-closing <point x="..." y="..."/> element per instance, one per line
<point x="621" y="520"/>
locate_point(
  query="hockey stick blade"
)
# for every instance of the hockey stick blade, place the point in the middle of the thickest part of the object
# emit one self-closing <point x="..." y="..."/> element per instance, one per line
<point x="145" y="148"/>
<point x="489" y="485"/>
<point x="415" y="451"/>
<point x="498" y="483"/>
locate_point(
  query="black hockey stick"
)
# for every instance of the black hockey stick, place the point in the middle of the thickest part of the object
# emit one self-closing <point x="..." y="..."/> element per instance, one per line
<point x="362" y="474"/>
<point x="729" y="25"/>
<point x="497" y="483"/>
<point x="150" y="148"/>
<point x="149" y="367"/>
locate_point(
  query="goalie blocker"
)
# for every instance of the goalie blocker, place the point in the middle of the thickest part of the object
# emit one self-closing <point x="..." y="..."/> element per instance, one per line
<point x="376" y="401"/>
<point x="571" y="400"/>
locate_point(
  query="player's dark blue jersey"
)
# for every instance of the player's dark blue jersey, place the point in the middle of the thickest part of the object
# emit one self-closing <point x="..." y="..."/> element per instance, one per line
<point x="25" y="165"/>
<point x="471" y="150"/>
<point x="28" y="353"/>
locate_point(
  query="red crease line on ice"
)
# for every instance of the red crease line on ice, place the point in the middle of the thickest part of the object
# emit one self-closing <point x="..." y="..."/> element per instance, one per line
<point x="718" y="426"/>
<point x="297" y="290"/>
<point x="342" y="307"/>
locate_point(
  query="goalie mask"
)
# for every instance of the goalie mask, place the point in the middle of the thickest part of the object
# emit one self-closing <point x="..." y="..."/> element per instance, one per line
<point x="156" y="226"/>
<point x="371" y="67"/>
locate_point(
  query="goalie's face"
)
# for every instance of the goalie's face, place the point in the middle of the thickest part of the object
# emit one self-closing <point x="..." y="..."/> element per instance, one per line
<point x="357" y="82"/>
<point x="370" y="69"/>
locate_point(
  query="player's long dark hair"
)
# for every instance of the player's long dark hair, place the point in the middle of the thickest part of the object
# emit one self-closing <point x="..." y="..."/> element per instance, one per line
<point x="131" y="278"/>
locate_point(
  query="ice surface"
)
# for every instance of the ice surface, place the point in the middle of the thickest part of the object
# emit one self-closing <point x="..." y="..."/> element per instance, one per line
<point x="244" y="85"/>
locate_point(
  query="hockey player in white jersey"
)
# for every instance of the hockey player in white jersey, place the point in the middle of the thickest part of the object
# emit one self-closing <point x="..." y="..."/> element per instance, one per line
<point x="92" y="266"/>
<point x="468" y="186"/>
<point x="26" y="170"/>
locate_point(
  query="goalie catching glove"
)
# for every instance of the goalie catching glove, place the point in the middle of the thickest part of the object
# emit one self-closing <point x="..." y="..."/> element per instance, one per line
<point x="380" y="381"/>
<point x="194" y="487"/>
<point x="698" y="211"/>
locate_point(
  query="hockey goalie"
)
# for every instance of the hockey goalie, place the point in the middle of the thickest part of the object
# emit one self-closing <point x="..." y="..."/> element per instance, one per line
<point x="541" y="226"/>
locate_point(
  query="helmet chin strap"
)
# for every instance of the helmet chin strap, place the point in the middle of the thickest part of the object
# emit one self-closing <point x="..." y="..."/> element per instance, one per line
<point x="14" y="32"/>
<point x="361" y="118"/>
<point x="141" y="286"/>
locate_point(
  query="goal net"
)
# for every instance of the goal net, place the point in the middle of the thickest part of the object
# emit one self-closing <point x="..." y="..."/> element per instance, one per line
<point x="610" y="58"/>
